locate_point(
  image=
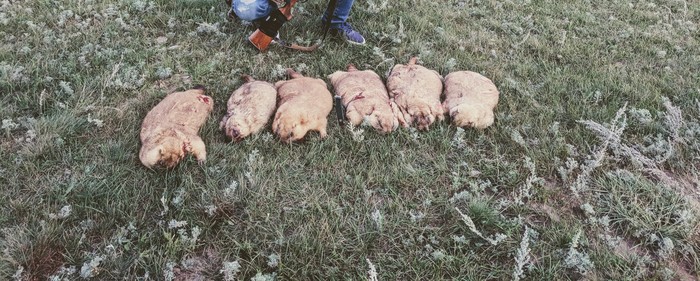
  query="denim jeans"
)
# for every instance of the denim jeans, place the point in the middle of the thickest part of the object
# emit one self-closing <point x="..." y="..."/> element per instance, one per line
<point x="342" y="11"/>
<point x="251" y="10"/>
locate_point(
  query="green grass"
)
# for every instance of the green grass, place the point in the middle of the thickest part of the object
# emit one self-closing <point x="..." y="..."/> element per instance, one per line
<point x="325" y="207"/>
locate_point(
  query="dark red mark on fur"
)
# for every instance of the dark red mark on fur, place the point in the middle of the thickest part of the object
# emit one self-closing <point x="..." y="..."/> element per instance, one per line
<point x="204" y="99"/>
<point x="358" y="97"/>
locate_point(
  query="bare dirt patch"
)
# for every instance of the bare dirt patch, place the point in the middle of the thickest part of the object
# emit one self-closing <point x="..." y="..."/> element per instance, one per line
<point x="44" y="259"/>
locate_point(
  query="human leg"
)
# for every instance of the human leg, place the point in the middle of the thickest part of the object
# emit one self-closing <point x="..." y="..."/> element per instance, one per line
<point x="251" y="10"/>
<point x="339" y="24"/>
<point x="341" y="13"/>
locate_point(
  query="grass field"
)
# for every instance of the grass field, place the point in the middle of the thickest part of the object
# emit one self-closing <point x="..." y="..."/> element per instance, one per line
<point x="589" y="173"/>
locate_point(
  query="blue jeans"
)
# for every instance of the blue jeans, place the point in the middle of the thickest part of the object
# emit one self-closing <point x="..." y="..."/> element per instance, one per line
<point x="342" y="11"/>
<point x="251" y="10"/>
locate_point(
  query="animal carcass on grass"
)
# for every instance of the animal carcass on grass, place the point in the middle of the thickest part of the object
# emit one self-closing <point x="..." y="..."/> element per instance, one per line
<point x="170" y="129"/>
<point x="249" y="108"/>
<point x="304" y="104"/>
<point x="470" y="99"/>
<point x="416" y="90"/>
<point x="365" y="98"/>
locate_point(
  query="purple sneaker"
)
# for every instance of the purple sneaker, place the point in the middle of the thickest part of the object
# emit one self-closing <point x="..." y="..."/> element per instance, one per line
<point x="350" y="34"/>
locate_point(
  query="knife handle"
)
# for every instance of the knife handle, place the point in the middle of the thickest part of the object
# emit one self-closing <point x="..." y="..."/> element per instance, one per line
<point x="339" y="112"/>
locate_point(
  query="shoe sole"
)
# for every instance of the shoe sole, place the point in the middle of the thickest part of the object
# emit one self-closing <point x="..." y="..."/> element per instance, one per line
<point x="350" y="41"/>
<point x="356" y="43"/>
